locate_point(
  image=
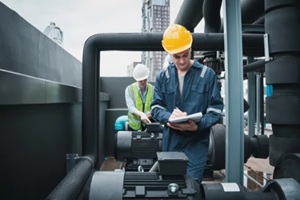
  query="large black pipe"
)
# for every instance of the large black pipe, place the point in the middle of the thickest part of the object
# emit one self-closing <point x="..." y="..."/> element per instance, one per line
<point x="255" y="66"/>
<point x="212" y="17"/>
<point x="260" y="20"/>
<point x="252" y="10"/>
<point x="190" y="14"/>
<point x="253" y="44"/>
<point x="282" y="20"/>
<point x="72" y="185"/>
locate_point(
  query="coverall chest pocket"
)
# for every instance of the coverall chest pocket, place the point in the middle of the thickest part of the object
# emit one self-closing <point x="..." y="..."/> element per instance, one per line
<point x="168" y="93"/>
<point x="199" y="92"/>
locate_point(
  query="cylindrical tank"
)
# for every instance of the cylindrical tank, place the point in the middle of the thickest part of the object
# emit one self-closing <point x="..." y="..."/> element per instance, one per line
<point x="282" y="18"/>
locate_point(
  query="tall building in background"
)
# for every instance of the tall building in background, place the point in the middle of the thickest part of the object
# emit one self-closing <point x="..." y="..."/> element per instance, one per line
<point x="54" y="33"/>
<point x="156" y="18"/>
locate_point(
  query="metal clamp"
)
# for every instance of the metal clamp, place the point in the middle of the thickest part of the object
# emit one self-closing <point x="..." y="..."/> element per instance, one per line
<point x="267" y="48"/>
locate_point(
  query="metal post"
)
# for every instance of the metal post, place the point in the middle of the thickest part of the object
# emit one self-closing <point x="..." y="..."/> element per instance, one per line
<point x="251" y="99"/>
<point x="234" y="91"/>
<point x="261" y="105"/>
<point x="258" y="102"/>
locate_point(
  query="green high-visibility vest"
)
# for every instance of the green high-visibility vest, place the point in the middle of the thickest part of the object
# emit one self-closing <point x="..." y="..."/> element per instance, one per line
<point x="133" y="90"/>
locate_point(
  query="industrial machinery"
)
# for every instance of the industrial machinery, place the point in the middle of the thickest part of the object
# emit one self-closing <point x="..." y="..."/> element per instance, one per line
<point x="138" y="148"/>
<point x="48" y="111"/>
<point x="171" y="183"/>
<point x="256" y="146"/>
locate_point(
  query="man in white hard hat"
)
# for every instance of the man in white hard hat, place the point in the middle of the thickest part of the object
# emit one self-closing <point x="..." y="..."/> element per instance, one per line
<point x="138" y="98"/>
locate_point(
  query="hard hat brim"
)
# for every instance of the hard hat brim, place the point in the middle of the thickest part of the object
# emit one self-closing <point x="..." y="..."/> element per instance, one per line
<point x="142" y="78"/>
<point x="178" y="50"/>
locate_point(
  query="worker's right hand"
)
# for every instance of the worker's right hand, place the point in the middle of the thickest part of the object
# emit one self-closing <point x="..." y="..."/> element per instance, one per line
<point x="144" y="118"/>
<point x="149" y="115"/>
<point x="177" y="113"/>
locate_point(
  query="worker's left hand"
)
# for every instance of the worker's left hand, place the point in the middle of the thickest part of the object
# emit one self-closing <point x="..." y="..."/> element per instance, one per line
<point x="148" y="115"/>
<point x="184" y="126"/>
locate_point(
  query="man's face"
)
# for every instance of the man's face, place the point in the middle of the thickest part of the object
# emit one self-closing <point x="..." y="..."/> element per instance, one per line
<point x="142" y="84"/>
<point x="182" y="59"/>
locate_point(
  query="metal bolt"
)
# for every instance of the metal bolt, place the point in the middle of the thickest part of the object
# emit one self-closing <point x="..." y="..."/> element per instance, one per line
<point x="173" y="187"/>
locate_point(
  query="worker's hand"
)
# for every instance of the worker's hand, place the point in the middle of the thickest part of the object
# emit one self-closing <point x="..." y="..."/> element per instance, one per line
<point x="149" y="115"/>
<point x="144" y="118"/>
<point x="177" y="113"/>
<point x="184" y="126"/>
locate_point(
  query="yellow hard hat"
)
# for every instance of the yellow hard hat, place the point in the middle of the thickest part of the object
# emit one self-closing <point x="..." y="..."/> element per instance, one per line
<point x="176" y="39"/>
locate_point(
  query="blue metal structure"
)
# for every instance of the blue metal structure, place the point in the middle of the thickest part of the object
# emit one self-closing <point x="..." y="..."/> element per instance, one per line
<point x="234" y="92"/>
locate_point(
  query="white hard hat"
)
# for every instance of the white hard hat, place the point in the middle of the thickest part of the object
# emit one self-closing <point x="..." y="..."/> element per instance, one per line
<point x="140" y="72"/>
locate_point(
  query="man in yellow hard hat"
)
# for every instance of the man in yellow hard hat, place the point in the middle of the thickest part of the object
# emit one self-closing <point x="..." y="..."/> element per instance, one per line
<point x="186" y="87"/>
<point x="138" y="98"/>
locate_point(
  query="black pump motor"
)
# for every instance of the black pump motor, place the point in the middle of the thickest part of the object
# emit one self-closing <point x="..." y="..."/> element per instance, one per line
<point x="170" y="182"/>
<point x="142" y="185"/>
<point x="138" y="148"/>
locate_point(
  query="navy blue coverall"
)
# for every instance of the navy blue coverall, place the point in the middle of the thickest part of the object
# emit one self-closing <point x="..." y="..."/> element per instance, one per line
<point x="200" y="93"/>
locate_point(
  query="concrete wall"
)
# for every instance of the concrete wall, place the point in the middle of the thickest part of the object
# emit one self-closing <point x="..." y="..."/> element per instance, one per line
<point x="40" y="109"/>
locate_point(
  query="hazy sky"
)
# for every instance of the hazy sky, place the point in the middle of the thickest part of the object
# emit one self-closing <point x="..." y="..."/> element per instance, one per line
<point x="80" y="19"/>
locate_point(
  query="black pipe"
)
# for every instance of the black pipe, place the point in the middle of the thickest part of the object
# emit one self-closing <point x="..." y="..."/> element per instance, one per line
<point x="251" y="10"/>
<point x="286" y="188"/>
<point x="260" y="20"/>
<point x="282" y="106"/>
<point x="213" y="191"/>
<point x="190" y="14"/>
<point x="211" y="14"/>
<point x="253" y="28"/>
<point x="131" y="42"/>
<point x="71" y="186"/>
<point x="252" y="43"/>
<point x="254" y="66"/>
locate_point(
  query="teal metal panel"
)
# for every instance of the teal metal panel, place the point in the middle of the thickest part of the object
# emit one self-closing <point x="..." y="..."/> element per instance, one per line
<point x="233" y="91"/>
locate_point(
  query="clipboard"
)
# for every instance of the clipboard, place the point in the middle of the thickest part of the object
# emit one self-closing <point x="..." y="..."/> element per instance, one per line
<point x="195" y="117"/>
